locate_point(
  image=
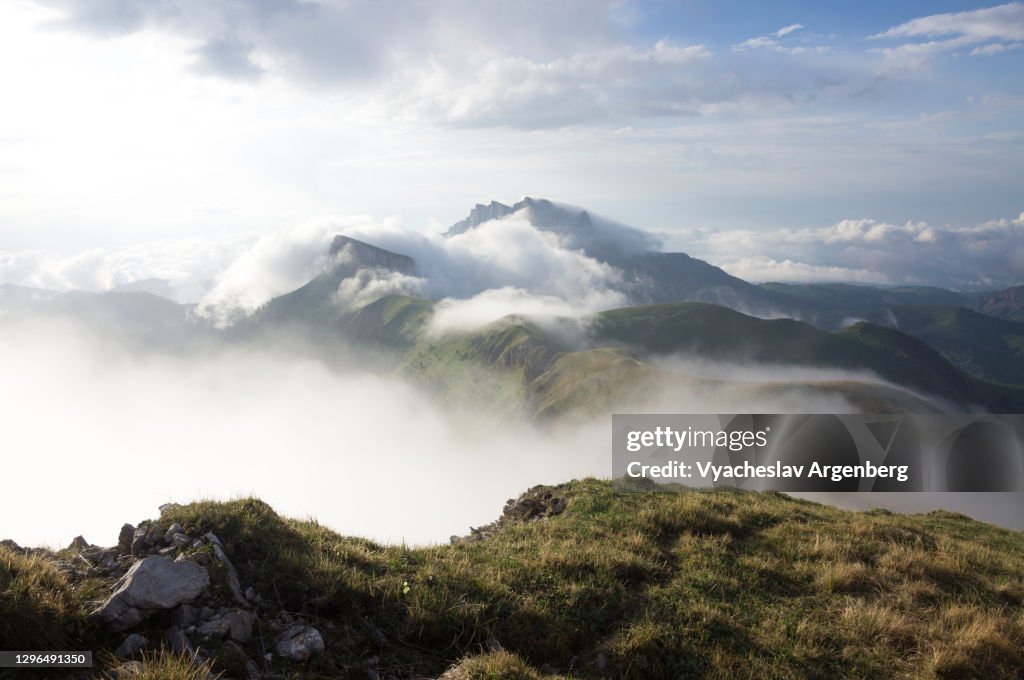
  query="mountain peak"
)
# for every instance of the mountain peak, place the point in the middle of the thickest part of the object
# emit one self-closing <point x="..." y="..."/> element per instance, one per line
<point x="580" y="229"/>
<point x="541" y="212"/>
<point x="353" y="254"/>
<point x="479" y="214"/>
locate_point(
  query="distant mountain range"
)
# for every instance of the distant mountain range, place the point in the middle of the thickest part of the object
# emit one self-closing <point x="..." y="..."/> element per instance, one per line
<point x="906" y="348"/>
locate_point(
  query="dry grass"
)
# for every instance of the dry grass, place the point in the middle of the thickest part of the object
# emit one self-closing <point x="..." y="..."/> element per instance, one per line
<point x="37" y="605"/>
<point x="163" y="665"/>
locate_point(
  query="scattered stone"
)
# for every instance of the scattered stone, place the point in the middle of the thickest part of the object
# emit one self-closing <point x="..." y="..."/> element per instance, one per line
<point x="206" y="613"/>
<point x="250" y="593"/>
<point x="184" y="615"/>
<point x="180" y="540"/>
<point x="233" y="660"/>
<point x="299" y="642"/>
<point x="493" y="645"/>
<point x="537" y="503"/>
<point x="168" y="551"/>
<point x="177" y="640"/>
<point x="234" y="584"/>
<point x="139" y="542"/>
<point x="78" y="543"/>
<point x="132" y="645"/>
<point x="540" y="502"/>
<point x="152" y="584"/>
<point x="167" y="507"/>
<point x="154" y="534"/>
<point x="240" y="624"/>
<point x="215" y="628"/>
<point x="175" y="528"/>
<point x="124" y="539"/>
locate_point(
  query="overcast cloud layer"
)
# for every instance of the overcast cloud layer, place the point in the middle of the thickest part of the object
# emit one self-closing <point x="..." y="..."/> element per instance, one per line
<point x="128" y="121"/>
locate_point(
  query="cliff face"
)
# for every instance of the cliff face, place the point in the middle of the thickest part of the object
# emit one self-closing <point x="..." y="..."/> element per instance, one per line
<point x="479" y="214"/>
<point x="359" y="255"/>
<point x="1005" y="304"/>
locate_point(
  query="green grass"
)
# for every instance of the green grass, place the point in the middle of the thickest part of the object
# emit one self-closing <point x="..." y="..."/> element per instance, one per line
<point x="710" y="584"/>
<point x="493" y="365"/>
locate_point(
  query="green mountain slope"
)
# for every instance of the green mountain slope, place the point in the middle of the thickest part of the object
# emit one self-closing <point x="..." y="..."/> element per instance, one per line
<point x="516" y="365"/>
<point x="585" y="581"/>
<point x="722" y="334"/>
<point x="850" y="297"/>
<point x="981" y="345"/>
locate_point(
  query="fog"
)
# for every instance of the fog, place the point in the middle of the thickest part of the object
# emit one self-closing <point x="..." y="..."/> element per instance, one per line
<point x="96" y="436"/>
<point x="99" y="433"/>
<point x="504" y="266"/>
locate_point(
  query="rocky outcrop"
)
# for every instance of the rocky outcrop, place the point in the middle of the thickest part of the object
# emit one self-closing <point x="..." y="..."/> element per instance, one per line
<point x="478" y="215"/>
<point x="170" y="591"/>
<point x="538" y="503"/>
<point x="153" y="584"/>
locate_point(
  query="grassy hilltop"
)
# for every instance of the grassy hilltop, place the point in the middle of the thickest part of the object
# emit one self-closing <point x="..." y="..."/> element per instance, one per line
<point x="646" y="585"/>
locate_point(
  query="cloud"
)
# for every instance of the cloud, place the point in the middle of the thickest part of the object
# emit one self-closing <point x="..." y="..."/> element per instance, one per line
<point x="230" y="280"/>
<point x="274" y="264"/>
<point x="368" y="285"/>
<point x="454" y="314"/>
<point x="336" y="41"/>
<point x="989" y="255"/>
<point x="780" y="42"/>
<point x="1000" y="27"/>
<point x="229" y="58"/>
<point x="311" y="435"/>
<point x="786" y="30"/>
<point x="758" y="268"/>
<point x="462" y="64"/>
<point x="509" y="266"/>
<point x="479" y="266"/>
<point x="995" y="48"/>
<point x="189" y="266"/>
<point x="610" y="85"/>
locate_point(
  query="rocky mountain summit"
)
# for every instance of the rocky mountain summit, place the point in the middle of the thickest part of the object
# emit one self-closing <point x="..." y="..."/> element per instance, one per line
<point x="587" y="580"/>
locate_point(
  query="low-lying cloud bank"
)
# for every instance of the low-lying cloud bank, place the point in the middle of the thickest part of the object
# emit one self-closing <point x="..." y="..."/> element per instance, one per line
<point x="510" y="266"/>
<point x="989" y="255"/>
<point x="97" y="435"/>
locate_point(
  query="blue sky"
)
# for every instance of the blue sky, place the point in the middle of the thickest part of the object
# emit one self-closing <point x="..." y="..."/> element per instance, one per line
<point x="131" y="121"/>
